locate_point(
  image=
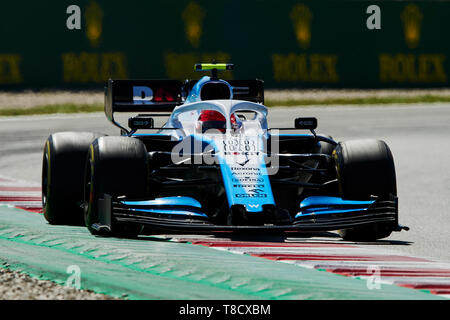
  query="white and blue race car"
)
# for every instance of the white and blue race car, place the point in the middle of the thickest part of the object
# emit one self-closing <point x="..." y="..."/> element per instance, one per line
<point x="214" y="166"/>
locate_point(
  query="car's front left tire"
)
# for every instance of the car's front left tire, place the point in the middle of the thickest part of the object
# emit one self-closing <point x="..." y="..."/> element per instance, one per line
<point x="365" y="168"/>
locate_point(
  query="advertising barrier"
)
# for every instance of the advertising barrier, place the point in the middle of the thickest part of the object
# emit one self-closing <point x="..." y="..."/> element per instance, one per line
<point x="288" y="44"/>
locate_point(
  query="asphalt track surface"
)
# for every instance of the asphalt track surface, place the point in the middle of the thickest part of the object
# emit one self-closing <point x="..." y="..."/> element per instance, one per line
<point x="417" y="135"/>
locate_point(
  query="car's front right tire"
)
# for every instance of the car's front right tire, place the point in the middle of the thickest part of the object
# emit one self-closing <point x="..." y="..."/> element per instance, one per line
<point x="117" y="166"/>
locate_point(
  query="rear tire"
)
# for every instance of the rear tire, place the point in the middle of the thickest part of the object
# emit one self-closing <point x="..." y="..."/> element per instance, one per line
<point x="62" y="176"/>
<point x="325" y="147"/>
<point x="365" y="168"/>
<point x="117" y="166"/>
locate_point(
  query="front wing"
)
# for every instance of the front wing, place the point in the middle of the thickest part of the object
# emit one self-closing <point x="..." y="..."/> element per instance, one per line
<point x="184" y="215"/>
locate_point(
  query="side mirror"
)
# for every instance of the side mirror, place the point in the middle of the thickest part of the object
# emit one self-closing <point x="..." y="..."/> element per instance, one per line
<point x="140" y="122"/>
<point x="306" y="123"/>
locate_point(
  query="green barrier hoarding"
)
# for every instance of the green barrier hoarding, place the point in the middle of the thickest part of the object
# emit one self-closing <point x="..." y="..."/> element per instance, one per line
<point x="288" y="44"/>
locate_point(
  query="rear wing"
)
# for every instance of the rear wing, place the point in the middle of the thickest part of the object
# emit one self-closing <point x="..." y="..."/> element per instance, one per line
<point x="141" y="96"/>
<point x="164" y="95"/>
<point x="248" y="90"/>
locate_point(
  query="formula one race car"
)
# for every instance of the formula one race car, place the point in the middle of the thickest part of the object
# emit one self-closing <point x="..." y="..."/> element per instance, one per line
<point x="214" y="166"/>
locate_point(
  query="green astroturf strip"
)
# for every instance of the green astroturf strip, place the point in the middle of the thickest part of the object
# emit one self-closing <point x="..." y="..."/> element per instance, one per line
<point x="150" y="268"/>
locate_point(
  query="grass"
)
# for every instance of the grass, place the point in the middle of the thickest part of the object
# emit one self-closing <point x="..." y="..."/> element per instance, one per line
<point x="49" y="109"/>
<point x="82" y="108"/>
<point x="358" y="101"/>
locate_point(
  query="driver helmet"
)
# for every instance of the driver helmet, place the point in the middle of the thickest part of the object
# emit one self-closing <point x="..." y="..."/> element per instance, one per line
<point x="212" y="119"/>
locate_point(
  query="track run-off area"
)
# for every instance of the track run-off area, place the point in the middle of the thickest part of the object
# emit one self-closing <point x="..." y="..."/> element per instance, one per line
<point x="407" y="265"/>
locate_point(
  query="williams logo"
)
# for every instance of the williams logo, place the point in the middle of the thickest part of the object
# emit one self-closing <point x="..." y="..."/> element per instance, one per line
<point x="301" y="18"/>
<point x="412" y="22"/>
<point x="193" y="20"/>
<point x="94" y="21"/>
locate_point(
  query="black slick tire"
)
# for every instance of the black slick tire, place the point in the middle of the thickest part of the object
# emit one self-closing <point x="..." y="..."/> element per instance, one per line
<point x="117" y="166"/>
<point x="365" y="168"/>
<point x="63" y="176"/>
